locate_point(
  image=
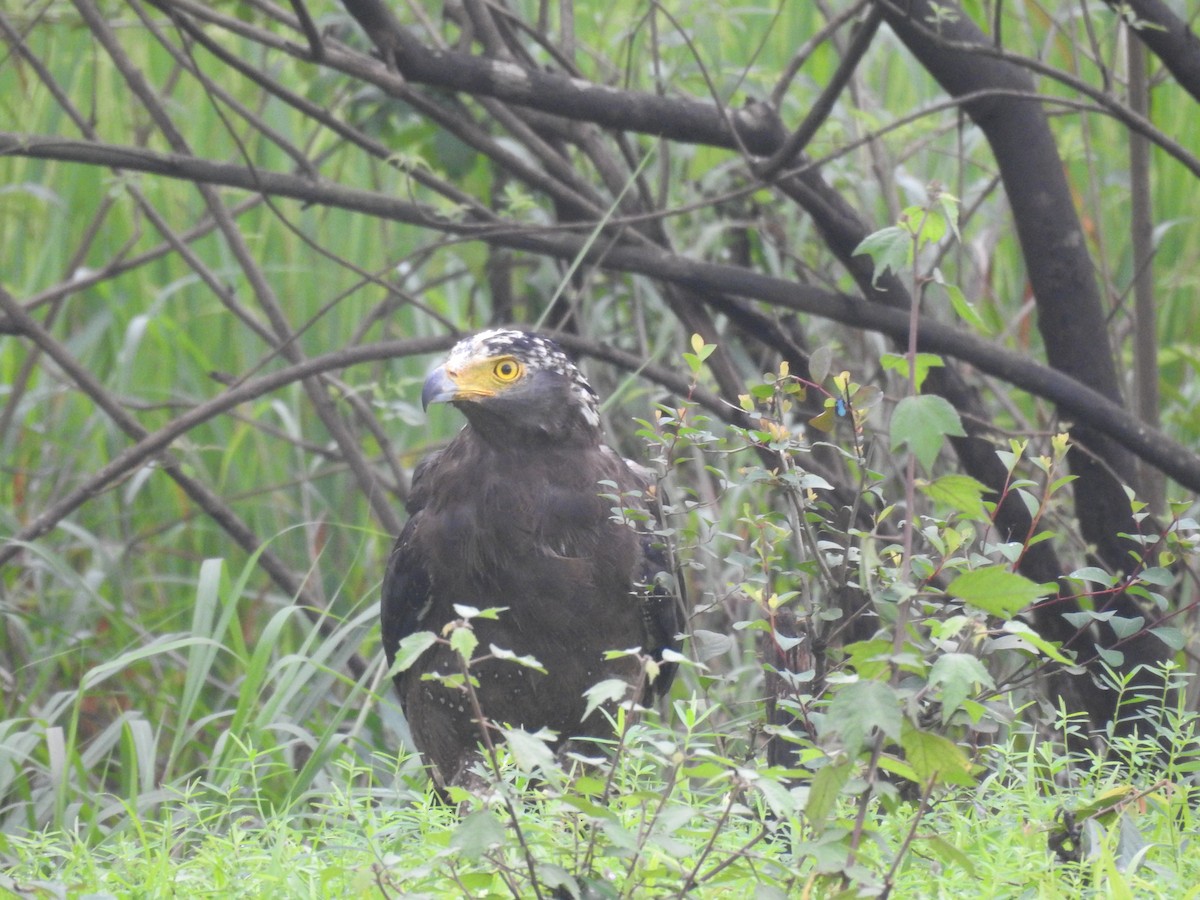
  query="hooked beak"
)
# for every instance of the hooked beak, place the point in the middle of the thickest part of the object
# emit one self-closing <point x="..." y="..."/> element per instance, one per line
<point x="439" y="388"/>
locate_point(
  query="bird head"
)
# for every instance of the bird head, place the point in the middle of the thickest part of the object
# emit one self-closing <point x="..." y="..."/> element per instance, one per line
<point x="506" y="381"/>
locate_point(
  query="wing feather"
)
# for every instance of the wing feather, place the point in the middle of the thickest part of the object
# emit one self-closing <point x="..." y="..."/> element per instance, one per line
<point x="407" y="589"/>
<point x="406" y="596"/>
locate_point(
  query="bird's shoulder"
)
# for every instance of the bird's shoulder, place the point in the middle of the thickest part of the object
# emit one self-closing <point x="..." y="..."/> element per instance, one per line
<point x="405" y="595"/>
<point x="423" y="482"/>
<point x="407" y="586"/>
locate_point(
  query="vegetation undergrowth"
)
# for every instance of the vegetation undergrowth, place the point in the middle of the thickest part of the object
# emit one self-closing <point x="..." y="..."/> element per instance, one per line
<point x="677" y="815"/>
<point x="858" y="715"/>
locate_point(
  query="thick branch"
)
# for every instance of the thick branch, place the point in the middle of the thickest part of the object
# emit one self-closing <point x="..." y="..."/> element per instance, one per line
<point x="152" y="445"/>
<point x="757" y="126"/>
<point x="1169" y="38"/>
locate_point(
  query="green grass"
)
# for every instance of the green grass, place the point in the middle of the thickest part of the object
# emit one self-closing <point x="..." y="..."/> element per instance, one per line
<point x="369" y="828"/>
<point x="261" y="769"/>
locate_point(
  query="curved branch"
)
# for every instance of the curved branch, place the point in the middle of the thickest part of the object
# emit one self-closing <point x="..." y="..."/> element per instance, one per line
<point x="1073" y="398"/>
<point x="961" y="36"/>
<point x="349" y="62"/>
<point x="862" y="37"/>
<point x="757" y="126"/>
<point x="151" y="445"/>
<point x="147" y="448"/>
<point x="1169" y="38"/>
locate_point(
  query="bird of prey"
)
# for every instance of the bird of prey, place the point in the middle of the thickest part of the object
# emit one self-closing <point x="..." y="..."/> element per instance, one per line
<point x="512" y="513"/>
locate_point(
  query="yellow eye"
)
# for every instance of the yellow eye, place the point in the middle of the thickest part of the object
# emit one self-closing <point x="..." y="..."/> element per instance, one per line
<point x="507" y="369"/>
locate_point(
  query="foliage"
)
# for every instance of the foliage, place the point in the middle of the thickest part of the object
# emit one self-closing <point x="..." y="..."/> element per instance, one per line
<point x="906" y="752"/>
<point x="193" y="699"/>
<point x="676" y="817"/>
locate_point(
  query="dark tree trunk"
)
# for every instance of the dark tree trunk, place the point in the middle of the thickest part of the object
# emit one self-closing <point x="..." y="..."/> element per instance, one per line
<point x="1071" y="316"/>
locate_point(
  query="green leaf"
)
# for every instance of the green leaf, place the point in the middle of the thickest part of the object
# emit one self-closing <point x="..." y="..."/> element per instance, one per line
<point x="709" y="644"/>
<point x="948" y="853"/>
<point x="477" y="833"/>
<point x="410" y="650"/>
<point x="823" y="793"/>
<point x="589" y="785"/>
<point x="588" y="807"/>
<point x="869" y="658"/>
<point x="554" y="876"/>
<point x="476" y="881"/>
<point x="898" y="362"/>
<point x="1114" y="658"/>
<point x="926" y="224"/>
<point x="700" y="352"/>
<point x="898" y="767"/>
<point x="610" y="690"/>
<point x="934" y="757"/>
<point x="1106" y="805"/>
<point x="464" y="642"/>
<point x="949" y="206"/>
<point x="867" y="396"/>
<point x="529" y="662"/>
<point x="997" y="591"/>
<point x="819" y="362"/>
<point x="960" y="304"/>
<point x="782" y="802"/>
<point x="471" y="612"/>
<point x="922" y="424"/>
<point x="823" y="421"/>
<point x="517" y="200"/>
<point x="1169" y="635"/>
<point x="889" y="248"/>
<point x="860" y="706"/>
<point x="958" y="674"/>
<point x="1085" y="617"/>
<point x="1095" y="575"/>
<point x="1051" y="649"/>
<point x="961" y="493"/>
<point x="1132" y="845"/>
<point x="1124" y="627"/>
<point x="1157" y="575"/>
<point x="530" y="751"/>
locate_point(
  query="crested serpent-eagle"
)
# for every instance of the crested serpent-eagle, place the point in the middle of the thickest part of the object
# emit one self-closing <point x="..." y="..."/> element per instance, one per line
<point x="512" y="513"/>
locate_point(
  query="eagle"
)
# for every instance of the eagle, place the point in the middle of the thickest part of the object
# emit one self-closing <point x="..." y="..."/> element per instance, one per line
<point x="527" y="509"/>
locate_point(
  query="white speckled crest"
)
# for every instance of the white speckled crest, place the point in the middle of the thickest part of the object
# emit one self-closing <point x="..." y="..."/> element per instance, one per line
<point x="536" y="352"/>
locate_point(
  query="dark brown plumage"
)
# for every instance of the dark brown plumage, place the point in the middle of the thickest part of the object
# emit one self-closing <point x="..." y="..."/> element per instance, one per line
<point x="510" y="514"/>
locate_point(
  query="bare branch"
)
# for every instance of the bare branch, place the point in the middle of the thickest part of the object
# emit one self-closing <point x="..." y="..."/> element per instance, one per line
<point x="1073" y="398"/>
<point x="757" y="126"/>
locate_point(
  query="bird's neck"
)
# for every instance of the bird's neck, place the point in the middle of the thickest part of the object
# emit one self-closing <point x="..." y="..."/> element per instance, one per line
<point x="506" y="435"/>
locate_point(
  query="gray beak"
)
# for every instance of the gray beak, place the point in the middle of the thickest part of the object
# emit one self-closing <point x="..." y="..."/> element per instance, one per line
<point x="439" y="388"/>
